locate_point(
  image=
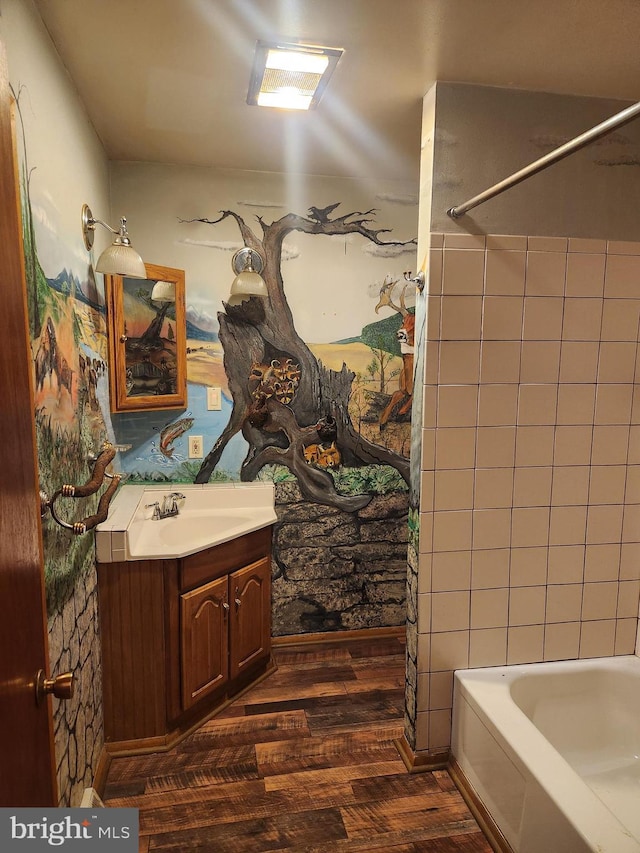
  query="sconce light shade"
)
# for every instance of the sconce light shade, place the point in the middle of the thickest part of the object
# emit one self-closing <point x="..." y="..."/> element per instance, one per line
<point x="247" y="265"/>
<point x="163" y="291"/>
<point x="120" y="258"/>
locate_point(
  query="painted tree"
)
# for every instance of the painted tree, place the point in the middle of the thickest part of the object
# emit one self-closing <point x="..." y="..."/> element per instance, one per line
<point x="260" y="333"/>
<point x="381" y="358"/>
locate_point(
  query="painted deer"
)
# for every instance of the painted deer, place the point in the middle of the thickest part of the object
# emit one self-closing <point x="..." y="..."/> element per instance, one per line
<point x="403" y="397"/>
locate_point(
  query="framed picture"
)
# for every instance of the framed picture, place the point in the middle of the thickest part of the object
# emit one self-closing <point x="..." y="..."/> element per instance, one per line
<point x="147" y="340"/>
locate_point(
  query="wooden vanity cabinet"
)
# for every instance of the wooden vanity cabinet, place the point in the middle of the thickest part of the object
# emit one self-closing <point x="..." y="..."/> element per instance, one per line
<point x="224" y="630"/>
<point x="181" y="637"/>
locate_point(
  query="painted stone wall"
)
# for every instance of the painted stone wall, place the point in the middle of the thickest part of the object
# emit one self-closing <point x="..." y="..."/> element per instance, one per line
<point x="335" y="570"/>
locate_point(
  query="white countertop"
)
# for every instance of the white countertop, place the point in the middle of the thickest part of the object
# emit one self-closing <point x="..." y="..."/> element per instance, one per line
<point x="209" y="515"/>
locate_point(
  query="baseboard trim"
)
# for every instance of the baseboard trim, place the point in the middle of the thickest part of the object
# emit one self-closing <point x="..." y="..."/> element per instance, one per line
<point x="163" y="743"/>
<point x="487" y="824"/>
<point x="339" y="636"/>
<point x="421" y="762"/>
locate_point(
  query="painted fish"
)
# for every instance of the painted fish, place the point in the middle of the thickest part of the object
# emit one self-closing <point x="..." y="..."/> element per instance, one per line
<point x="171" y="433"/>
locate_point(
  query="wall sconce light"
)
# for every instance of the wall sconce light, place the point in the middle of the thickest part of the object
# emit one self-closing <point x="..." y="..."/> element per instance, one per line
<point x="247" y="265"/>
<point x="120" y="258"/>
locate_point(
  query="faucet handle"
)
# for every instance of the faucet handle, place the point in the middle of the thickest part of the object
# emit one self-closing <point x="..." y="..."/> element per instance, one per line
<point x="172" y="500"/>
<point x="175" y="497"/>
<point x="156" y="509"/>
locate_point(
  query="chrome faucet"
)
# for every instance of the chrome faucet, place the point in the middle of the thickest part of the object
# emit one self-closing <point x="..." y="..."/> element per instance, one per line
<point x="169" y="506"/>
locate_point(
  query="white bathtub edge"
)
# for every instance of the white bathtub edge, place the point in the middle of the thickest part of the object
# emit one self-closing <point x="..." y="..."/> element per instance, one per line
<point x="485" y="692"/>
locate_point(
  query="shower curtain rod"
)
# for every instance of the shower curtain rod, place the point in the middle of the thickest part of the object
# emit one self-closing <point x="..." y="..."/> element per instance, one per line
<point x="549" y="159"/>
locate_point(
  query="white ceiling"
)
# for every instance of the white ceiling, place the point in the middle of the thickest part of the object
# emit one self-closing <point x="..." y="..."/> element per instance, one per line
<point x="166" y="80"/>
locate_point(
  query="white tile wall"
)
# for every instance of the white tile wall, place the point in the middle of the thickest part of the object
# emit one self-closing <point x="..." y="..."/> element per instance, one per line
<point x="530" y="526"/>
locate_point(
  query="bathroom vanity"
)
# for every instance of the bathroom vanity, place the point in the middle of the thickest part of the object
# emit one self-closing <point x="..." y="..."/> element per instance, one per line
<point x="183" y="630"/>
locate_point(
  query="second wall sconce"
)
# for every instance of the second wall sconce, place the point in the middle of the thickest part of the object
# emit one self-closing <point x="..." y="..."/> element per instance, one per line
<point x="120" y="258"/>
<point x="247" y="265"/>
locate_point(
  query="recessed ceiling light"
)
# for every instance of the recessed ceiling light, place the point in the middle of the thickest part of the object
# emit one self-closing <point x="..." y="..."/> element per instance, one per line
<point x="290" y="76"/>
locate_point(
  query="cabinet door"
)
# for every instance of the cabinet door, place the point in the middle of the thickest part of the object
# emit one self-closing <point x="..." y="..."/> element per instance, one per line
<point x="204" y="648"/>
<point x="250" y="629"/>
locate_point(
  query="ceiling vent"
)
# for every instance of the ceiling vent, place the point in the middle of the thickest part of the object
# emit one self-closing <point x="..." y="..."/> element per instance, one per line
<point x="290" y="76"/>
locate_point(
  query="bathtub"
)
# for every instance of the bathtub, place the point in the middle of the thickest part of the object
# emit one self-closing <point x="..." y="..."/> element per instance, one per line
<point x="552" y="751"/>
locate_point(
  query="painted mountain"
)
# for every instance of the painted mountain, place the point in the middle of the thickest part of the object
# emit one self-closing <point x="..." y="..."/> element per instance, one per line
<point x="70" y="285"/>
<point x="196" y="333"/>
<point x="200" y="325"/>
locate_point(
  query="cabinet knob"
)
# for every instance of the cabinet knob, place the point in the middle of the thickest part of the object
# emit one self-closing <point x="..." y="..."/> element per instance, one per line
<point x="225" y="607"/>
<point x="238" y="602"/>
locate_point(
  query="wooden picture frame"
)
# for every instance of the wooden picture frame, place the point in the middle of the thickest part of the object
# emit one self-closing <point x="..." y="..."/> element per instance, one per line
<point x="147" y="342"/>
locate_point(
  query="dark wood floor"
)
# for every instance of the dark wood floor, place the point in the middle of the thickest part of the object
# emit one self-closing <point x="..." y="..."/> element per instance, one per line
<point x="304" y="761"/>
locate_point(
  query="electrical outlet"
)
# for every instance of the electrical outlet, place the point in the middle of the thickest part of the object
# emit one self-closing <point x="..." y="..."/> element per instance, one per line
<point x="195" y="447"/>
<point x="214" y="399"/>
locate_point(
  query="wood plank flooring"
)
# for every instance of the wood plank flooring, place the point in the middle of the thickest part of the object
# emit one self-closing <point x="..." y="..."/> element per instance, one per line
<point x="304" y="761"/>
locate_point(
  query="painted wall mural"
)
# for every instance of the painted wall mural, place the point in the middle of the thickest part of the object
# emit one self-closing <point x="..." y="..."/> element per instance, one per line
<point x="328" y="422"/>
<point x="322" y="421"/>
<point x="293" y="411"/>
<point x="340" y="544"/>
<point x="68" y="340"/>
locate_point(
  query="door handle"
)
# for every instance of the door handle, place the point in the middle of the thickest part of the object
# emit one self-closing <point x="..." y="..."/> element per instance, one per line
<point x="61" y="686"/>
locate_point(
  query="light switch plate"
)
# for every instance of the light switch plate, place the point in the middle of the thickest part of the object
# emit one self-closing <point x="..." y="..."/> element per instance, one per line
<point x="214" y="399"/>
<point x="195" y="447"/>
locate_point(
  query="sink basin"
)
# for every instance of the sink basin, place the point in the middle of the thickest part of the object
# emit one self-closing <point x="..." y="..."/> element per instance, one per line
<point x="190" y="530"/>
<point x="209" y="515"/>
